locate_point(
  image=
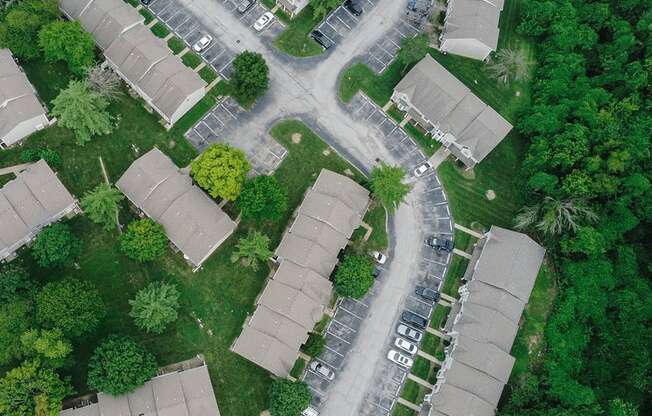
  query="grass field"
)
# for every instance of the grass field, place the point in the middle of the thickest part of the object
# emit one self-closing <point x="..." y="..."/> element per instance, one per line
<point x="296" y="40"/>
<point x="221" y="294"/>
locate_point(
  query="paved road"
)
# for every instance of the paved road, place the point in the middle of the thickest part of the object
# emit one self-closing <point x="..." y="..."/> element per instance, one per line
<point x="307" y="89"/>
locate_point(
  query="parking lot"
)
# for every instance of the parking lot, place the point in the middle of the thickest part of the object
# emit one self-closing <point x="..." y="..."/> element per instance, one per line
<point x="186" y="27"/>
<point x="249" y="17"/>
<point x="340" y="22"/>
<point x="264" y="153"/>
<point x="383" y="52"/>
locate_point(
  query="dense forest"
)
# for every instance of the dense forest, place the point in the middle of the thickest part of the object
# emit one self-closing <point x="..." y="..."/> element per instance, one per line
<point x="587" y="184"/>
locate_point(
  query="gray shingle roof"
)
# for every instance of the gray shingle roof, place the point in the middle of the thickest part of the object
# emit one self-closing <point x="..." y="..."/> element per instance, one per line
<point x="18" y="101"/>
<point x="105" y="19"/>
<point x="192" y="221"/>
<point x="453" y="401"/>
<point x="492" y="297"/>
<point x="182" y="393"/>
<point x="267" y="351"/>
<point x="446" y="102"/>
<point x="35" y="199"/>
<point x="291" y="303"/>
<point x="474" y="381"/>
<point x="485" y="325"/>
<point x="473" y="19"/>
<point x="484" y="357"/>
<point x="308" y="281"/>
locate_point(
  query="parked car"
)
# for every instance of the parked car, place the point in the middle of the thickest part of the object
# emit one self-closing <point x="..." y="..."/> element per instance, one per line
<point x="321" y="39"/>
<point x="399" y="359"/>
<point x="406" y="346"/>
<point x="322" y="370"/>
<point x="263" y="21"/>
<point x="428" y="294"/>
<point x="440" y="243"/>
<point x="310" y="411"/>
<point x="409" y="333"/>
<point x="377" y="272"/>
<point x="379" y="257"/>
<point x="145" y="2"/>
<point x="245" y="5"/>
<point x="413" y="319"/>
<point x="421" y="169"/>
<point x="354" y="7"/>
<point x="202" y="43"/>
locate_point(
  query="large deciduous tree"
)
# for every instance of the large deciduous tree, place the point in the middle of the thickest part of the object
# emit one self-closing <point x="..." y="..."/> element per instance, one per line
<point x="67" y="41"/>
<point x="15" y="283"/>
<point x="20" y="27"/>
<point x="221" y="170"/>
<point x="387" y="185"/>
<point x="83" y="111"/>
<point x="32" y="389"/>
<point x="101" y="205"/>
<point x="354" y="276"/>
<point x="56" y="246"/>
<point x="288" y="398"/>
<point x="144" y="240"/>
<point x="252" y="249"/>
<point x="119" y="366"/>
<point x="15" y="318"/>
<point x="72" y="305"/>
<point x="263" y="198"/>
<point x="155" y="307"/>
<point x="49" y="345"/>
<point x="250" y="78"/>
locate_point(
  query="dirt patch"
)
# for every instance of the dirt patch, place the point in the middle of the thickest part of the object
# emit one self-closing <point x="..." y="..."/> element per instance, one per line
<point x="172" y="144"/>
<point x="296" y="138"/>
<point x="348" y="172"/>
<point x="490" y="194"/>
<point x="326" y="152"/>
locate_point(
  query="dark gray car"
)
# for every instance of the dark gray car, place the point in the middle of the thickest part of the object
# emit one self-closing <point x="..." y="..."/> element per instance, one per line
<point x="413" y="319"/>
<point x="320" y="38"/>
<point x="427" y="293"/>
<point x="245" y="5"/>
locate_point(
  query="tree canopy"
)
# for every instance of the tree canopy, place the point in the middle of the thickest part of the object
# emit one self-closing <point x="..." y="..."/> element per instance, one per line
<point x="67" y="41"/>
<point x="119" y="366"/>
<point x="15" y="318"/>
<point x="49" y="345"/>
<point x="250" y="78"/>
<point x="56" y="246"/>
<point x="144" y="240"/>
<point x="288" y="398"/>
<point x="101" y="205"/>
<point x="221" y="170"/>
<point x="354" y="276"/>
<point x="263" y="198"/>
<point x="413" y="49"/>
<point x="155" y="307"/>
<point x="15" y="283"/>
<point x="252" y="249"/>
<point x="20" y="27"/>
<point x="71" y="305"/>
<point x="387" y="185"/>
<point x="83" y="111"/>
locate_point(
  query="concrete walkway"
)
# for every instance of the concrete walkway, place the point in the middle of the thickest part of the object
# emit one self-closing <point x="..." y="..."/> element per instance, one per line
<point x="438" y="158"/>
<point x="469" y="231"/>
<point x="16" y="169"/>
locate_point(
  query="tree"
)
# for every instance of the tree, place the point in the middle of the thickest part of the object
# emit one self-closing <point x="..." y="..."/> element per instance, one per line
<point x="20" y="27"/>
<point x="510" y="65"/>
<point x="354" y="276"/>
<point x="67" y="41"/>
<point x="144" y="240"/>
<point x="322" y="7"/>
<point x="105" y="82"/>
<point x="73" y="306"/>
<point x="49" y="345"/>
<point x="221" y="170"/>
<point x="56" y="246"/>
<point x="83" y="111"/>
<point x="15" y="284"/>
<point x="250" y="78"/>
<point x="315" y="344"/>
<point x="155" y="306"/>
<point x="252" y="249"/>
<point x="32" y="389"/>
<point x="387" y="185"/>
<point x="15" y="318"/>
<point x="101" y="205"/>
<point x="554" y="217"/>
<point x="413" y="50"/>
<point x="119" y="366"/>
<point x="288" y="398"/>
<point x="263" y="198"/>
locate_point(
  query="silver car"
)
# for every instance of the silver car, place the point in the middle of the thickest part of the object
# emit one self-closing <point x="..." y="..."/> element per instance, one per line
<point x="409" y="333"/>
<point x="399" y="359"/>
<point x="322" y="370"/>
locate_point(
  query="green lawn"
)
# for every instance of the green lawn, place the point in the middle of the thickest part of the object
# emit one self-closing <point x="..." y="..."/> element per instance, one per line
<point x="296" y="40"/>
<point x="176" y="45"/>
<point x="421" y="367"/>
<point x="376" y="217"/>
<point x="400" y="410"/>
<point x="159" y="30"/>
<point x="191" y="59"/>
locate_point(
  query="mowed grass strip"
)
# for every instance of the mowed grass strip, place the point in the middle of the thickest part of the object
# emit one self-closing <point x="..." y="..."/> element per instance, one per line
<point x="296" y="40"/>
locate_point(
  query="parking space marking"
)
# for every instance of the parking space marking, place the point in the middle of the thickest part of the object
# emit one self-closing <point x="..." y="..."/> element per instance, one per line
<point x="421" y="301"/>
<point x="346" y="310"/>
<point x="340" y="323"/>
<point x="332" y="350"/>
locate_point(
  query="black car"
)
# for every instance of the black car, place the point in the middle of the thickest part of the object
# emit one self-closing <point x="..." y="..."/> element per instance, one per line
<point x="320" y="38"/>
<point x="440" y="243"/>
<point x="353" y="6"/>
<point x="413" y="319"/>
<point x="427" y="293"/>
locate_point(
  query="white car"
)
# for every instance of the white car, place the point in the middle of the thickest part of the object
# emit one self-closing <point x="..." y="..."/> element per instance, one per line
<point x="406" y="346"/>
<point x="409" y="333"/>
<point x="379" y="257"/>
<point x="202" y="43"/>
<point x="263" y="21"/>
<point x="322" y="370"/>
<point x="421" y="169"/>
<point x="399" y="359"/>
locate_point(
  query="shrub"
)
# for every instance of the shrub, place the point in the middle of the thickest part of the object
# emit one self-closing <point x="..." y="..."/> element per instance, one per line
<point x="119" y="366"/>
<point x="288" y="398"/>
<point x="56" y="246"/>
<point x="315" y="345"/>
<point x="73" y="306"/>
<point x="144" y="240"/>
<point x="354" y="276"/>
<point x="50" y="156"/>
<point x="155" y="306"/>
